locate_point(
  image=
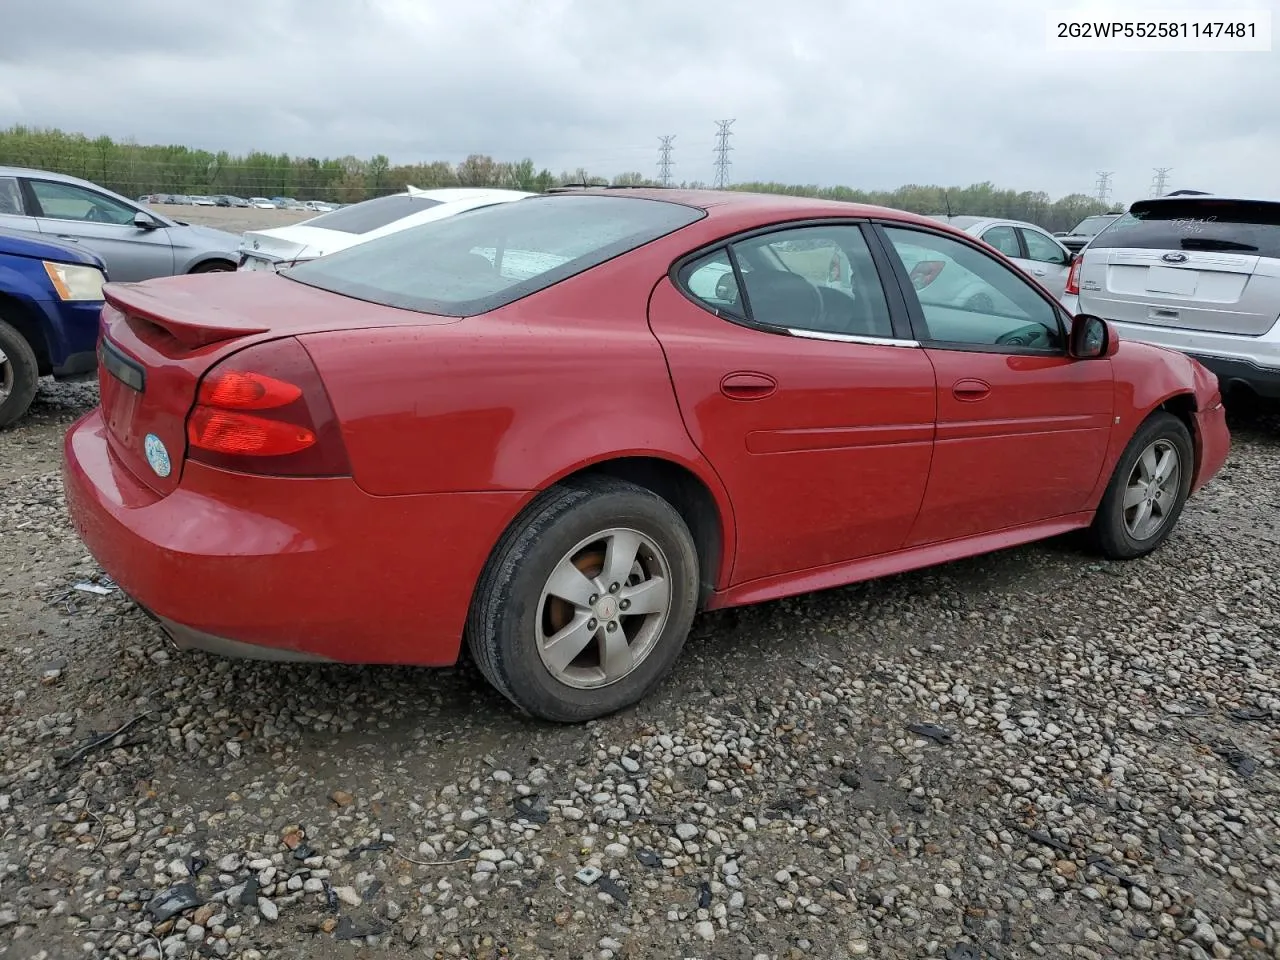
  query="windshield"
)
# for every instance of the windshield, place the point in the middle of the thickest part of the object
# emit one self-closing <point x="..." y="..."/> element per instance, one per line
<point x="1090" y="226"/>
<point x="484" y="259"/>
<point x="372" y="214"/>
<point x="1192" y="223"/>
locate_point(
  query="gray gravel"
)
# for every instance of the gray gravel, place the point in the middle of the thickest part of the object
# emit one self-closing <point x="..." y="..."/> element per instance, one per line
<point x="1092" y="771"/>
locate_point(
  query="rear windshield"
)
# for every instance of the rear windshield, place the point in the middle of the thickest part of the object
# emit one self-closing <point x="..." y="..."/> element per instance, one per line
<point x="372" y="214"/>
<point x="484" y="259"/>
<point x="1195" y="223"/>
<point x="1091" y="225"/>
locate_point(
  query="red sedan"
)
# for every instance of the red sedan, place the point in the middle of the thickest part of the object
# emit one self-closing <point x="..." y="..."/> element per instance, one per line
<point x="556" y="429"/>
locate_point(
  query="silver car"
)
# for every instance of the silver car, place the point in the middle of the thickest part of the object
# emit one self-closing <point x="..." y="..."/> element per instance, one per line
<point x="136" y="243"/>
<point x="1200" y="274"/>
<point x="1034" y="250"/>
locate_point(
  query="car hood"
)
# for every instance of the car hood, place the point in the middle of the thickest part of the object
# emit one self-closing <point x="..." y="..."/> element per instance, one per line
<point x="296" y="241"/>
<point x="18" y="244"/>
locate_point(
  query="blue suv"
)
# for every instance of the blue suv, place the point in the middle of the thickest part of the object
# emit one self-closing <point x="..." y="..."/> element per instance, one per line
<point x="50" y="301"/>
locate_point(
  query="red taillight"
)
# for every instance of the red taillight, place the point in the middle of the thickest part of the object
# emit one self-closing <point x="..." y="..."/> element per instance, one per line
<point x="925" y="272"/>
<point x="264" y="410"/>
<point x="1073" y="278"/>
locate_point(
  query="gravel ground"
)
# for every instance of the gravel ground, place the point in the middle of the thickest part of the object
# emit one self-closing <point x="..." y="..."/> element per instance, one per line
<point x="1092" y="770"/>
<point x="234" y="219"/>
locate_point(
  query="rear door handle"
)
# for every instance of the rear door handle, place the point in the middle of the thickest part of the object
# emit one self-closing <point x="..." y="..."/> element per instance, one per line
<point x="970" y="390"/>
<point x="1038" y="273"/>
<point x="63" y="236"/>
<point x="747" y="385"/>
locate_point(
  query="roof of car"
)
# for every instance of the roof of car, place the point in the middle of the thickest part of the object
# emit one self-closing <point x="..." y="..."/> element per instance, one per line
<point x="44" y="174"/>
<point x="762" y="204"/>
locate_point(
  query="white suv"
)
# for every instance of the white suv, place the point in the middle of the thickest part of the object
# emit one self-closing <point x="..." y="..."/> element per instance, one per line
<point x="1200" y="274"/>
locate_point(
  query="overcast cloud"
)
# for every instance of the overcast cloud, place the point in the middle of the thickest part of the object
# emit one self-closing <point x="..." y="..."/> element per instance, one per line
<point x="866" y="93"/>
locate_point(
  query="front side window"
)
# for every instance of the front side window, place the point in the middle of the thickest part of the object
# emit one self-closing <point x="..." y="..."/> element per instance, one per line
<point x="66" y="201"/>
<point x="970" y="299"/>
<point x="479" y="261"/>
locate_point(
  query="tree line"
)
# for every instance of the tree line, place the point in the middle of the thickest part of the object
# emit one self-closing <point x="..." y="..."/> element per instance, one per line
<point x="134" y="169"/>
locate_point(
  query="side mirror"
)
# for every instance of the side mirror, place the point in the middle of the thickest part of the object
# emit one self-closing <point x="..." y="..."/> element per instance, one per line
<point x="1092" y="337"/>
<point x="144" y="222"/>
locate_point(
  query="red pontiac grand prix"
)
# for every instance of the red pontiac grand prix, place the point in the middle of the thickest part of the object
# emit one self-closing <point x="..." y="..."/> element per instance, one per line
<point x="556" y="429"/>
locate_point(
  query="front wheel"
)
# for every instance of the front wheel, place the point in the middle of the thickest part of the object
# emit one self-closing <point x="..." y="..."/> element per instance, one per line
<point x="19" y="374"/>
<point x="1148" y="490"/>
<point x="586" y="602"/>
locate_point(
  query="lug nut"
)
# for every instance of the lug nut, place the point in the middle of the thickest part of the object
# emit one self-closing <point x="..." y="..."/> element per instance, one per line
<point x="625" y="605"/>
<point x="592" y="623"/>
<point x="594" y="598"/>
<point x="613" y="625"/>
<point x="613" y="588"/>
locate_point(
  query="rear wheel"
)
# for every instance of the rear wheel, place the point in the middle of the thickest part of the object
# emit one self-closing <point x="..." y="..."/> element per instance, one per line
<point x="19" y="374"/>
<point x="587" y="600"/>
<point x="1148" y="490"/>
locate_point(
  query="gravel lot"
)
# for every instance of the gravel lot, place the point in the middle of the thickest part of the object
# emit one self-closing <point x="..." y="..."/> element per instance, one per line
<point x="1104" y="782"/>
<point x="234" y="219"/>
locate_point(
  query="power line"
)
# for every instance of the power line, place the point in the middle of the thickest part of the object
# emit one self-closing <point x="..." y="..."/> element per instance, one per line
<point x="722" y="153"/>
<point x="1104" y="186"/>
<point x="664" y="160"/>
<point x="1160" y="181"/>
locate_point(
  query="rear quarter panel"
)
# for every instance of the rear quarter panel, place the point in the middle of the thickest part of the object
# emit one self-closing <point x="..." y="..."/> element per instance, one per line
<point x="515" y="399"/>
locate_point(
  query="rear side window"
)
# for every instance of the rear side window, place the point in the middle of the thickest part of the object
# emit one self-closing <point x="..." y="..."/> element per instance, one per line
<point x="362" y="217"/>
<point x="484" y="259"/>
<point x="1194" y="223"/>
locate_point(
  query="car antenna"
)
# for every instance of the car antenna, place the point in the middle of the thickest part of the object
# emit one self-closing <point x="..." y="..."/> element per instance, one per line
<point x="946" y="198"/>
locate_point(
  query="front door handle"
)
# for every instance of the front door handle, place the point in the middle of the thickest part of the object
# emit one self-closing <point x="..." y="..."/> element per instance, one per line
<point x="1038" y="272"/>
<point x="63" y="236"/>
<point x="970" y="390"/>
<point x="747" y="385"/>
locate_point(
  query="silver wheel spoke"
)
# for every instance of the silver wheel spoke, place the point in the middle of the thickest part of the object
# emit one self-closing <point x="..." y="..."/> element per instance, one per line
<point x="617" y="660"/>
<point x="652" y="596"/>
<point x="1140" y="518"/>
<point x="1134" y="495"/>
<point x="1165" y="465"/>
<point x="1164" y="500"/>
<point x="569" y="583"/>
<point x="620" y="557"/>
<point x="1147" y="464"/>
<point x="562" y="649"/>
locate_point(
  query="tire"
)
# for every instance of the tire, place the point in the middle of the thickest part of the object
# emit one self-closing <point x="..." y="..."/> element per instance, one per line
<point x="513" y="614"/>
<point x="19" y="374"/>
<point x="215" y="266"/>
<point x="1120" y="539"/>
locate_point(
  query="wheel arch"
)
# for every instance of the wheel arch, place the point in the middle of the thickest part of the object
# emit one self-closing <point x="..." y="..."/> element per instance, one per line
<point x="696" y="495"/>
<point x="23" y="318"/>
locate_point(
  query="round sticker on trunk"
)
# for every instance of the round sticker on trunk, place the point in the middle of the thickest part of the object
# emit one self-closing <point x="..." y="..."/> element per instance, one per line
<point x="157" y="455"/>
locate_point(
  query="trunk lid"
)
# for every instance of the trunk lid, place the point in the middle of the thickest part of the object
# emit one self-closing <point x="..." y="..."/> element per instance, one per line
<point x="1191" y="263"/>
<point x="158" y="338"/>
<point x="291" y="243"/>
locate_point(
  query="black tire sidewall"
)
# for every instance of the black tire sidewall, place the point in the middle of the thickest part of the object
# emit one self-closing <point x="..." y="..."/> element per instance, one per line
<point x="26" y="374"/>
<point x="517" y="584"/>
<point x="1113" y="536"/>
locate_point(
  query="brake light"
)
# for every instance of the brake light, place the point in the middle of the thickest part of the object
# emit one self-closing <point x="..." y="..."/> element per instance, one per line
<point x="1073" y="277"/>
<point x="925" y="272"/>
<point x="264" y="410"/>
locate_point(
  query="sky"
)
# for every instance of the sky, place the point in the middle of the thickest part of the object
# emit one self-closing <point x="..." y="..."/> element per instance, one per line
<point x="865" y="93"/>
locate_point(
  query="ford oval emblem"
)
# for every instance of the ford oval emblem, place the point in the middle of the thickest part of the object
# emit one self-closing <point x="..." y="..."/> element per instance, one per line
<point x="1174" y="258"/>
<point x="157" y="455"/>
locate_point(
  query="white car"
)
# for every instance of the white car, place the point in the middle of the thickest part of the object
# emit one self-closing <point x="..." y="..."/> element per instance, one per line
<point x="360" y="222"/>
<point x="317" y="206"/>
<point x="1035" y="251"/>
<point x="262" y="203"/>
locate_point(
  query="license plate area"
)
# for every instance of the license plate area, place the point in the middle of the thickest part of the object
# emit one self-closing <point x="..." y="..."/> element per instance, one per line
<point x="125" y="369"/>
<point x="1179" y="283"/>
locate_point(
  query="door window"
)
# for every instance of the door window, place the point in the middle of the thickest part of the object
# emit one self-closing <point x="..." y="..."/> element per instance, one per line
<point x="10" y="197"/>
<point x="66" y="201"/>
<point x="1004" y="240"/>
<point x="1041" y="248"/>
<point x="968" y="298"/>
<point x="818" y="279"/>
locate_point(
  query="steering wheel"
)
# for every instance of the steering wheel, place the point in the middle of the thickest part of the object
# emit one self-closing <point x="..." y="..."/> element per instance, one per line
<point x="1031" y="335"/>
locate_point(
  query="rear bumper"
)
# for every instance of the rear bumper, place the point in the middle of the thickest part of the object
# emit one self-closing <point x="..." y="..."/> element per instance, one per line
<point x="293" y="569"/>
<point x="1263" y="381"/>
